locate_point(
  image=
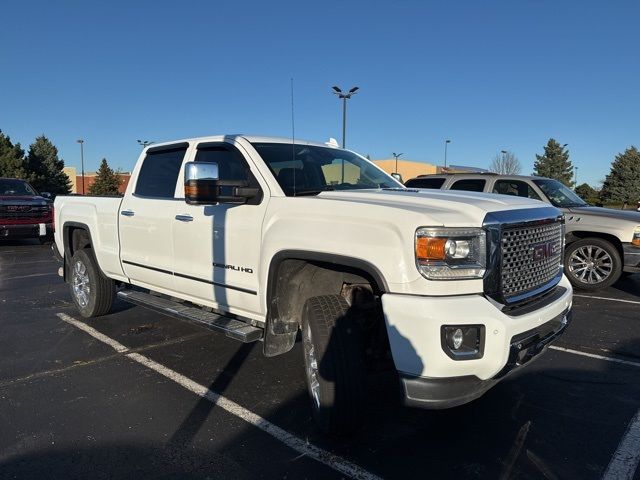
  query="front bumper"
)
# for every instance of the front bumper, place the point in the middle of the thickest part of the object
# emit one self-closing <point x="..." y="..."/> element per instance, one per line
<point x="631" y="258"/>
<point x="431" y="378"/>
<point x="29" y="230"/>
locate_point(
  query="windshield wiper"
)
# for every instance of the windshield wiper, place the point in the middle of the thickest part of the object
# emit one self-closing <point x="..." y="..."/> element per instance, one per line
<point x="315" y="191"/>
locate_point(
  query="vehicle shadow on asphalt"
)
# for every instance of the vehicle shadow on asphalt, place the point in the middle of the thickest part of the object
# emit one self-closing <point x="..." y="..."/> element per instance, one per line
<point x="544" y="422"/>
<point x="628" y="284"/>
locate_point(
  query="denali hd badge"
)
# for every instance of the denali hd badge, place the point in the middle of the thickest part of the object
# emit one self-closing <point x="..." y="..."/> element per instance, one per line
<point x="542" y="251"/>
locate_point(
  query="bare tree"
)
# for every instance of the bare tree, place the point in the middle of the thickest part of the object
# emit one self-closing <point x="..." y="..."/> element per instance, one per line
<point x="505" y="163"/>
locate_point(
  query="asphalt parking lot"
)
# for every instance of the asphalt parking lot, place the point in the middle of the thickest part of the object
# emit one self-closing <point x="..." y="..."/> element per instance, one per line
<point x="138" y="403"/>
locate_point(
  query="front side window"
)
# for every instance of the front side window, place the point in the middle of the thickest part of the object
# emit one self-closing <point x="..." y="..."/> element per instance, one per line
<point x="309" y="170"/>
<point x="159" y="172"/>
<point x="469" y="185"/>
<point x="16" y="188"/>
<point x="425" y="183"/>
<point x="559" y="194"/>
<point x="516" y="188"/>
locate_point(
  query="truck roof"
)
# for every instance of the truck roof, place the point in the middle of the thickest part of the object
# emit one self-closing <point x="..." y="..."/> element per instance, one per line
<point x="249" y="138"/>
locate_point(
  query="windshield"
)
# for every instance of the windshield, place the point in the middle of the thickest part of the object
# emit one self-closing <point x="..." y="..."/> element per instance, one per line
<point x="15" y="188"/>
<point x="309" y="170"/>
<point x="559" y="194"/>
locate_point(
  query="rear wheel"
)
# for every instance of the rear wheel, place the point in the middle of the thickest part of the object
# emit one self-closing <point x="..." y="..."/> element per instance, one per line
<point x="592" y="263"/>
<point x="92" y="292"/>
<point x="334" y="364"/>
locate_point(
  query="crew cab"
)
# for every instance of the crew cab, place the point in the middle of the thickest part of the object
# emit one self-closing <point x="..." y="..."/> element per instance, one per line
<point x="265" y="238"/>
<point x="24" y="213"/>
<point x="601" y="243"/>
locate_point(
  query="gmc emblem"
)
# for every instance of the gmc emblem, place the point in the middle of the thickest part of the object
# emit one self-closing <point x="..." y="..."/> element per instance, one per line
<point x="542" y="251"/>
<point x="18" y="208"/>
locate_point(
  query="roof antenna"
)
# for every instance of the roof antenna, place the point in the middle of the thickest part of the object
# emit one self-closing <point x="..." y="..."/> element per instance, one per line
<point x="293" y="141"/>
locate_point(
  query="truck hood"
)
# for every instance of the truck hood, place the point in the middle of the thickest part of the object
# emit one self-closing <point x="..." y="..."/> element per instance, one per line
<point x="22" y="200"/>
<point x="448" y="207"/>
<point x="607" y="213"/>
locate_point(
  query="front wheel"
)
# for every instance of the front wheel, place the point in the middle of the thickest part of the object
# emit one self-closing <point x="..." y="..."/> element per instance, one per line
<point x="92" y="292"/>
<point x="334" y="364"/>
<point x="592" y="263"/>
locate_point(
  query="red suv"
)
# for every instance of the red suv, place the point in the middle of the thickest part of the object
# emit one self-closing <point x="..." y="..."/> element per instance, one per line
<point x="24" y="213"/>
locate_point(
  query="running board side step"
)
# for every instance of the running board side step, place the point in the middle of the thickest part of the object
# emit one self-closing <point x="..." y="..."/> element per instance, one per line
<point x="231" y="327"/>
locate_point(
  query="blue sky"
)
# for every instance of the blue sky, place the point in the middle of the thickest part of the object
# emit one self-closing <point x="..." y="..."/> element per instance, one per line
<point x="489" y="75"/>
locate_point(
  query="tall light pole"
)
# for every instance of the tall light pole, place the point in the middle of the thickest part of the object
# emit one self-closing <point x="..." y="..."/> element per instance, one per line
<point x="81" y="142"/>
<point x="344" y="96"/>
<point x="144" y="143"/>
<point x="396" y="155"/>
<point x="446" y="142"/>
<point x="575" y="170"/>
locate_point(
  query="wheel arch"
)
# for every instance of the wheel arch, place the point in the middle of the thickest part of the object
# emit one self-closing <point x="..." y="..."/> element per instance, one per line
<point x="582" y="234"/>
<point x="75" y="236"/>
<point x="294" y="276"/>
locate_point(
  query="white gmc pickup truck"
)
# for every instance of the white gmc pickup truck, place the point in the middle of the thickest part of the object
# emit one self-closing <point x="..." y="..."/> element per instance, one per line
<point x="261" y="238"/>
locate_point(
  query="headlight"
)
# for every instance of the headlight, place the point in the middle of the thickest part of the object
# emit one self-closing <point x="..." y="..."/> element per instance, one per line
<point x="636" y="236"/>
<point x="451" y="253"/>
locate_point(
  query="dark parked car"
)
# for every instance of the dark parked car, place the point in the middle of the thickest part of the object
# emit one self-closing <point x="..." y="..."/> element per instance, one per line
<point x="24" y="213"/>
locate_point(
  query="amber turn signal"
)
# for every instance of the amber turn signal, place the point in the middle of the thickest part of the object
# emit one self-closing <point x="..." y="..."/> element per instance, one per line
<point x="430" y="248"/>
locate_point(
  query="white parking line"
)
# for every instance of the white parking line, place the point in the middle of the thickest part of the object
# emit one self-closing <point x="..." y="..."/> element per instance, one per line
<point x="606" y="298"/>
<point x="298" y="444"/>
<point x="593" y="355"/>
<point x="117" y="346"/>
<point x="625" y="460"/>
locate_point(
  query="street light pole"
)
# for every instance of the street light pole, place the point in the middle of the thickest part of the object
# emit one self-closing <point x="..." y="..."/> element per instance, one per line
<point x="344" y="96"/>
<point x="575" y="170"/>
<point x="81" y="142"/>
<point x="144" y="143"/>
<point x="396" y="155"/>
<point x="446" y="142"/>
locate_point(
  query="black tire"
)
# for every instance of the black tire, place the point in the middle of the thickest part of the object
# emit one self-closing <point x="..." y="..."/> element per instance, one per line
<point x="602" y="268"/>
<point x="98" y="298"/>
<point x="329" y="335"/>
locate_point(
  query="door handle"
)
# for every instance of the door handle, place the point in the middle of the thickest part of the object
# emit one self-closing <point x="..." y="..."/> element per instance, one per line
<point x="184" y="218"/>
<point x="127" y="213"/>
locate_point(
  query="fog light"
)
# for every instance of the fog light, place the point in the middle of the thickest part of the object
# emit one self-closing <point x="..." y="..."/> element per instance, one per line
<point x="457" y="338"/>
<point x="463" y="342"/>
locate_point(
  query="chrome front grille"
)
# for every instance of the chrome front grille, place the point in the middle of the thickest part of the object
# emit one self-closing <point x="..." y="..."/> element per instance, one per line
<point x="531" y="257"/>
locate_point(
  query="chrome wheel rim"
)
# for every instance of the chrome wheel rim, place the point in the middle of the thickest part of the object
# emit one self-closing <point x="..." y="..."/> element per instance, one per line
<point x="80" y="283"/>
<point x="590" y="264"/>
<point x="311" y="363"/>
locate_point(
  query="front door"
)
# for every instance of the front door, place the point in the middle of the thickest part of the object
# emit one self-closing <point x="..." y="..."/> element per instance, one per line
<point x="217" y="247"/>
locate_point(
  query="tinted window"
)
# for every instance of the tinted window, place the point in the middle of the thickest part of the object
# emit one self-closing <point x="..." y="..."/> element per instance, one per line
<point x="159" y="173"/>
<point x="425" y="183"/>
<point x="515" y="187"/>
<point x="470" y="185"/>
<point x="231" y="166"/>
<point x="559" y="194"/>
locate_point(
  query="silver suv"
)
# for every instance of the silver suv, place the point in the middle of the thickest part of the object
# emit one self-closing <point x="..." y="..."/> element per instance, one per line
<point x="601" y="243"/>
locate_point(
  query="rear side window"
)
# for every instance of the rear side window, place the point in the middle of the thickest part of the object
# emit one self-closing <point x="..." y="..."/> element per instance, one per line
<point x="159" y="172"/>
<point x="516" y="188"/>
<point x="425" y="183"/>
<point x="469" y="184"/>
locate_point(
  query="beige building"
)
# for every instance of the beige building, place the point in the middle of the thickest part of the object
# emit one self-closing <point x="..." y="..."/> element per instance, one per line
<point x="407" y="168"/>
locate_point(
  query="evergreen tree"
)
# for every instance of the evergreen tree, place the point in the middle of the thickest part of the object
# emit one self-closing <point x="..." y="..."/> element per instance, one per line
<point x="622" y="185"/>
<point x="44" y="168"/>
<point x="106" y="181"/>
<point x="11" y="158"/>
<point x="588" y="193"/>
<point x="554" y="163"/>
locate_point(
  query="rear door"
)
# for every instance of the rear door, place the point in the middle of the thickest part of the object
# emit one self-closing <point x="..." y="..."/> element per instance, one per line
<point x="217" y="247"/>
<point x="146" y="219"/>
